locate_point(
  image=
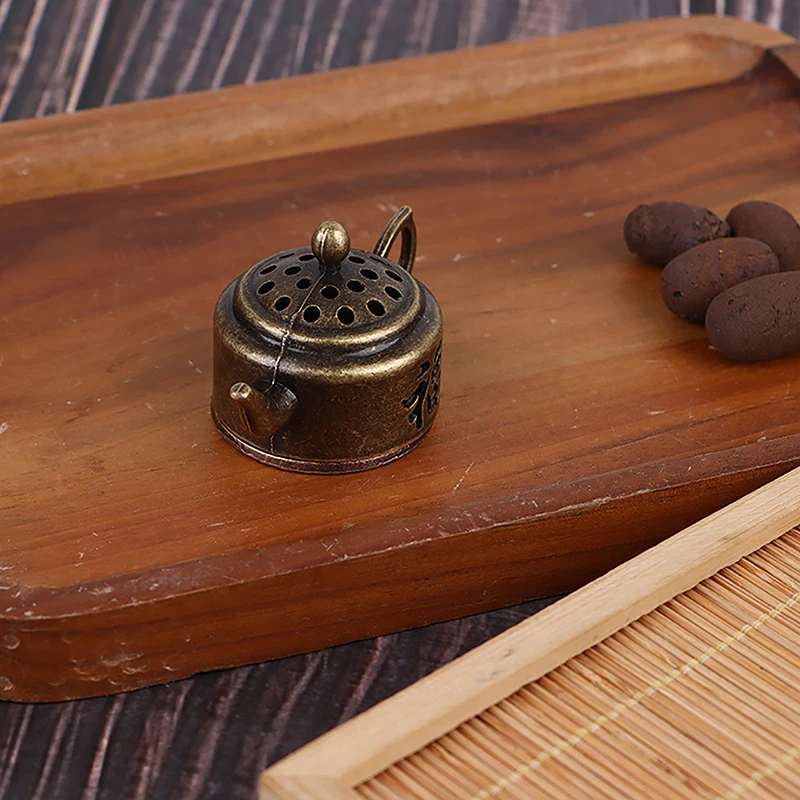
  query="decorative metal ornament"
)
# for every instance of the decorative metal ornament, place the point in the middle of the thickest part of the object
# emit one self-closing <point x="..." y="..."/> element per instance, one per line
<point x="328" y="359"/>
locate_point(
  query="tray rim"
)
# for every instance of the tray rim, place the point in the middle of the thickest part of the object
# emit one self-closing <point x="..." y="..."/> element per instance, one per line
<point x="119" y="145"/>
<point x="675" y="53"/>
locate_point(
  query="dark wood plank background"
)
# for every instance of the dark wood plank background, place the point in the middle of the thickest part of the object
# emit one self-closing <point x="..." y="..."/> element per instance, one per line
<point x="211" y="736"/>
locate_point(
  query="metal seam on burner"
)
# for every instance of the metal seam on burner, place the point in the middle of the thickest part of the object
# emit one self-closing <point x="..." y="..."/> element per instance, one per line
<point x="285" y="339"/>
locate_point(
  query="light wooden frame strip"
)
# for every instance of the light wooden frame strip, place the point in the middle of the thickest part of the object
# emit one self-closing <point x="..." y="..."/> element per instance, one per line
<point x="401" y="725"/>
<point x="124" y="144"/>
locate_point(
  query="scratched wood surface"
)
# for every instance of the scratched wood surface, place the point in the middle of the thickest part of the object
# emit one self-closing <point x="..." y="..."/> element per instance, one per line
<point x="211" y="735"/>
<point x="548" y="464"/>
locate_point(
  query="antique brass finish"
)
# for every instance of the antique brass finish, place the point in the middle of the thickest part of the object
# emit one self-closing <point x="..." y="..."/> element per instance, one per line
<point x="401" y="222"/>
<point x="327" y="358"/>
<point x="263" y="413"/>
<point x="330" y="244"/>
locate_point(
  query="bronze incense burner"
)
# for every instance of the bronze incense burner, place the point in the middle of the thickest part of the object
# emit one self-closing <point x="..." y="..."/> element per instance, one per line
<point x="328" y="359"/>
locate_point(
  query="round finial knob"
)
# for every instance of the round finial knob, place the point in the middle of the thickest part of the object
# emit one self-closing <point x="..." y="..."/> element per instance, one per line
<point x="330" y="244"/>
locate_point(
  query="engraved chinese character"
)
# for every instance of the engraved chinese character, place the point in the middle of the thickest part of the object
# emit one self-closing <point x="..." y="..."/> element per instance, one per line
<point x="425" y="397"/>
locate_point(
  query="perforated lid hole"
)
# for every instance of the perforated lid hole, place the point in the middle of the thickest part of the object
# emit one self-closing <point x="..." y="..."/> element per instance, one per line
<point x="346" y="315"/>
<point x="376" y="308"/>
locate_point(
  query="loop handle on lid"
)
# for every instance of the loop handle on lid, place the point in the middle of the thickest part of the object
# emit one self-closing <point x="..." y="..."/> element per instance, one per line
<point x="401" y="222"/>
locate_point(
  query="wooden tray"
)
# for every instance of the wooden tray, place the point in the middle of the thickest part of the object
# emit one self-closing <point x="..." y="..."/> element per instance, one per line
<point x="579" y="424"/>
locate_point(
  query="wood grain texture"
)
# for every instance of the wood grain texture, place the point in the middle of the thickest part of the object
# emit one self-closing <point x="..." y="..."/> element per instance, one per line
<point x="146" y="582"/>
<point x="46" y="49"/>
<point x="158" y="48"/>
<point x="436" y="705"/>
<point x="209" y="130"/>
<point x="54" y="58"/>
<point x="210" y="736"/>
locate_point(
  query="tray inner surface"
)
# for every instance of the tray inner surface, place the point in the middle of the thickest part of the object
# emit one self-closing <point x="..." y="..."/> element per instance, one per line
<point x="579" y="420"/>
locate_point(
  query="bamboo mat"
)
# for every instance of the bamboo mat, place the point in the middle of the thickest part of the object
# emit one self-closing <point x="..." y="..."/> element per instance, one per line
<point x="698" y="699"/>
